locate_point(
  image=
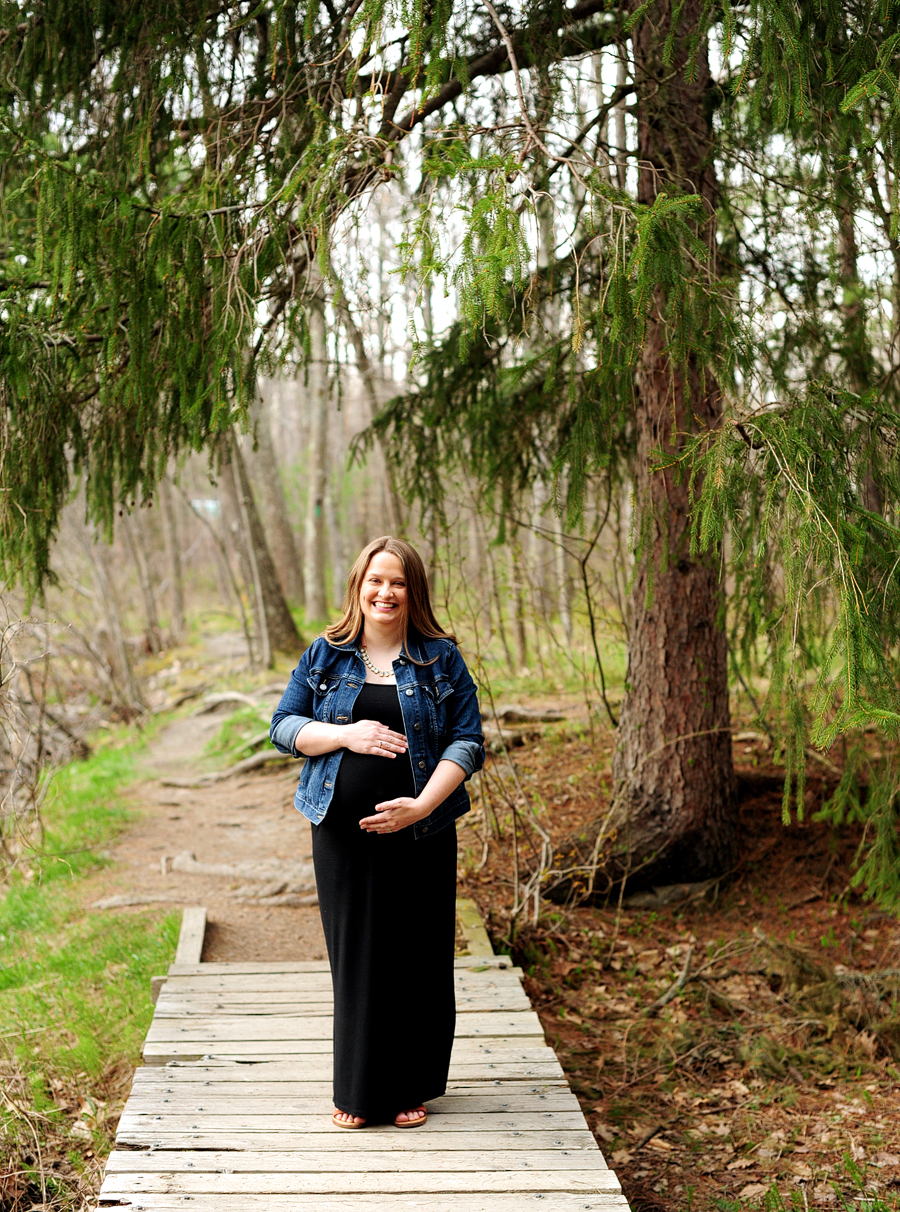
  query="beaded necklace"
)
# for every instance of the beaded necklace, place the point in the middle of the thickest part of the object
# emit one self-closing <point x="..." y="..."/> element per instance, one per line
<point x="380" y="672"/>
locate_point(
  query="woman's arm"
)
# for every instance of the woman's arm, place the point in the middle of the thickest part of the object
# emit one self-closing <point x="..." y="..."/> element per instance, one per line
<point x="367" y="736"/>
<point x="296" y="731"/>
<point x="465" y="741"/>
<point x="397" y="814"/>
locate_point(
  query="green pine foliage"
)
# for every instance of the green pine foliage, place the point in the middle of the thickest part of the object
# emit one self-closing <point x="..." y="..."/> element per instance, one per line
<point x="168" y="172"/>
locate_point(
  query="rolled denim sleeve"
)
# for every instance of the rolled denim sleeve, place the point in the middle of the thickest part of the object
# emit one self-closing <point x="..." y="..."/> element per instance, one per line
<point x="295" y="709"/>
<point x="466" y="741"/>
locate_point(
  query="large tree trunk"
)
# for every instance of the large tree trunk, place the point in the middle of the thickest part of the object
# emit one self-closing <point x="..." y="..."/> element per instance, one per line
<point x="675" y="813"/>
<point x="673" y="816"/>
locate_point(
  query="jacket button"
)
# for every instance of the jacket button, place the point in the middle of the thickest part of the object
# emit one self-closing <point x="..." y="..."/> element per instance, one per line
<point x="323" y="685"/>
<point x="425" y="829"/>
<point x="421" y="765"/>
<point x="417" y="727"/>
<point x="409" y="692"/>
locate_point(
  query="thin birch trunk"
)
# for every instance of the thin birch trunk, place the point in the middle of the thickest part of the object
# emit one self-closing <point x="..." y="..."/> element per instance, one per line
<point x="120" y="664"/>
<point x="263" y="466"/>
<point x="173" y="544"/>
<point x="129" y="526"/>
<point x="317" y="458"/>
<point x="517" y="594"/>
<point x="621" y="136"/>
<point x="336" y="545"/>
<point x="278" y="630"/>
<point x="395" y="518"/>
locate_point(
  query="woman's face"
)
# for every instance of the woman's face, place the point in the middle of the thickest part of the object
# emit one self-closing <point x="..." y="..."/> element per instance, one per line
<point x="382" y="597"/>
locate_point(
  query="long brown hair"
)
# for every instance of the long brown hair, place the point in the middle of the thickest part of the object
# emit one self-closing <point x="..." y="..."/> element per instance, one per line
<point x="419" y="613"/>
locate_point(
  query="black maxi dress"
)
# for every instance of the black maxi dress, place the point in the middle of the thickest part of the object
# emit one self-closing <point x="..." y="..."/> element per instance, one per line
<point x="388" y="906"/>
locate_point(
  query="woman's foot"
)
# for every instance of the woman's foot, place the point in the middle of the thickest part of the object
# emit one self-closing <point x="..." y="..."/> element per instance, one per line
<point x="411" y="1119"/>
<point x="343" y="1119"/>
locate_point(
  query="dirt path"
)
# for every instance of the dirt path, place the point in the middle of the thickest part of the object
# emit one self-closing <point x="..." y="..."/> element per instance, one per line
<point x="238" y="847"/>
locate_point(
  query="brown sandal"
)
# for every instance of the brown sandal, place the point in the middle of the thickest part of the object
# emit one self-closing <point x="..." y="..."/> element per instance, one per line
<point x="342" y="1123"/>
<point x="412" y="1123"/>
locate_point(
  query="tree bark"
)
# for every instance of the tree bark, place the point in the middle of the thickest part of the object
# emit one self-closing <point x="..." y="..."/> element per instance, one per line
<point x="121" y="673"/>
<point x="517" y="596"/>
<point x="857" y="351"/>
<point x="267" y="481"/>
<point x="336" y="545"/>
<point x="676" y="812"/>
<point x="135" y="546"/>
<point x="276" y="622"/>
<point x="673" y="816"/>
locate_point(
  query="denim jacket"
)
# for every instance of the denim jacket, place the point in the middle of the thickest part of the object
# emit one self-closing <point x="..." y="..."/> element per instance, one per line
<point x="438" y="703"/>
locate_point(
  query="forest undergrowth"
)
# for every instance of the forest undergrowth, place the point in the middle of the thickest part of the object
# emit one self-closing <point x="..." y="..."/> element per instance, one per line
<point x="768" y="1077"/>
<point x="74" y="992"/>
<point x="739" y="1049"/>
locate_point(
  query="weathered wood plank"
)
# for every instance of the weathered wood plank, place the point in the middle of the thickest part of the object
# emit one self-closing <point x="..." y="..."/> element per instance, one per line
<point x="190" y="938"/>
<point x="205" y="976"/>
<point x="378" y="1137"/>
<point x="515" y="1049"/>
<point x="470" y="920"/>
<point x="523" y="1048"/>
<point x="171" y="1004"/>
<point x="473" y="963"/>
<point x="247" y="1028"/>
<point x="590" y="1181"/>
<point x="199" y="980"/>
<point x="188" y="1082"/>
<point x="607" y="1201"/>
<point x="318" y="1068"/>
<point x="527" y="1121"/>
<point x="153" y="1103"/>
<point x="128" y="1161"/>
<point x="234" y="1104"/>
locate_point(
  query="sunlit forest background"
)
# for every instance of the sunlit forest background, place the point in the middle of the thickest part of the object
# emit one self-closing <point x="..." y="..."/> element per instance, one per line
<point x="598" y="305"/>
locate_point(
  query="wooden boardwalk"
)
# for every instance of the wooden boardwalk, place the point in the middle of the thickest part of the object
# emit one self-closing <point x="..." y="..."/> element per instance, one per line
<point x="231" y="1110"/>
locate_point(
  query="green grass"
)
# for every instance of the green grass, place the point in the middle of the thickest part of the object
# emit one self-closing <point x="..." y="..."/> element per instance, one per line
<point x="74" y="987"/>
<point x="850" y="1192"/>
<point x="241" y="725"/>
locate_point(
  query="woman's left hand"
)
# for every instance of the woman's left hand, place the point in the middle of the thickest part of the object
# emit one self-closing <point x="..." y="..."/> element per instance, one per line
<point x="393" y="815"/>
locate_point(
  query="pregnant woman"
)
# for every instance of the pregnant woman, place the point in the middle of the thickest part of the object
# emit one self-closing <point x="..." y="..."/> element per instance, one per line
<point x="385" y="711"/>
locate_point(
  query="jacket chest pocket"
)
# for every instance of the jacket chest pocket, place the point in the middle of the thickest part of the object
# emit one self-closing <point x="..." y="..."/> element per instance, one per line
<point x="324" y="688"/>
<point x="437" y="694"/>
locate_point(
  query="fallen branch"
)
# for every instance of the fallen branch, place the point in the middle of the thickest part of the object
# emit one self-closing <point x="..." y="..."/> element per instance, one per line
<point x="675" y="988"/>
<point x="212" y="701"/>
<point x="250" y="763"/>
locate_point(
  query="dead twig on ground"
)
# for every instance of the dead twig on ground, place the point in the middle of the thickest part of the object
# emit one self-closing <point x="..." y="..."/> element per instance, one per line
<point x="675" y="988"/>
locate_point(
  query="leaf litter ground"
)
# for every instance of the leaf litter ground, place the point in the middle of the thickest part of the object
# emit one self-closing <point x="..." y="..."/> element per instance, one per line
<point x="772" y="1075"/>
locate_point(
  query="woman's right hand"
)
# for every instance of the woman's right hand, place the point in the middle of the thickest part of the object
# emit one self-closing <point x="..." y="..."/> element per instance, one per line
<point x="368" y="736"/>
